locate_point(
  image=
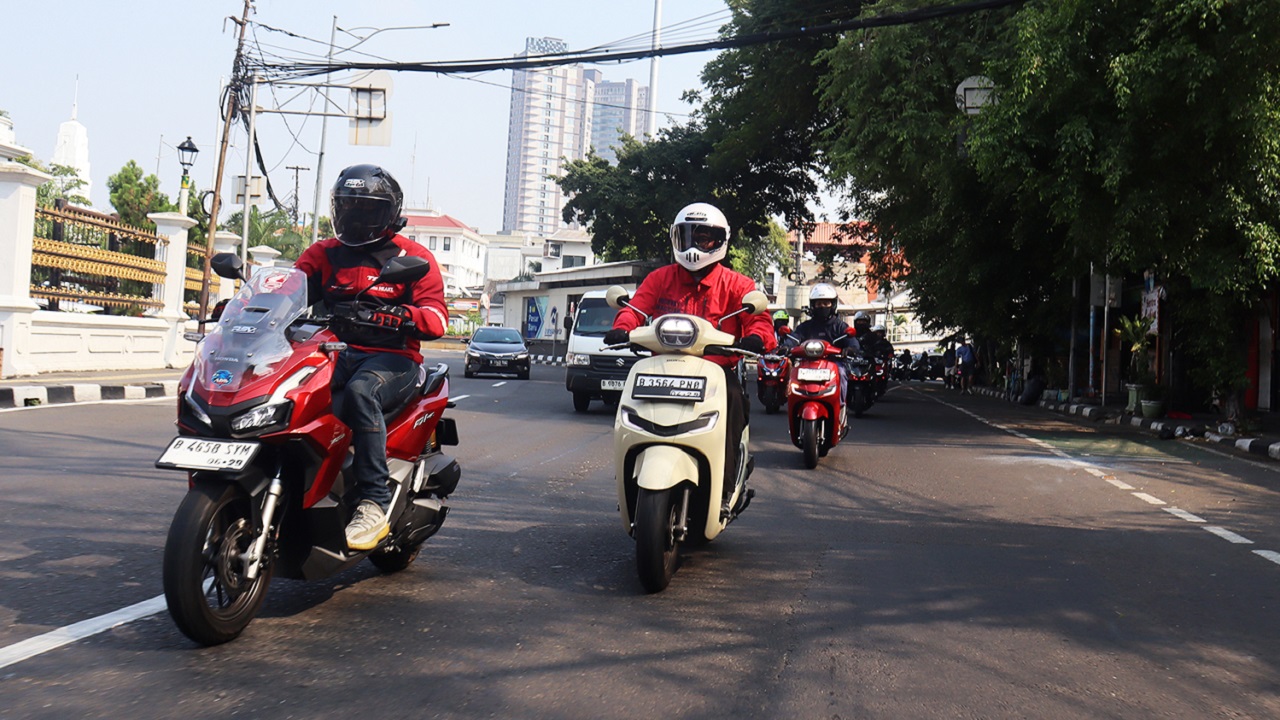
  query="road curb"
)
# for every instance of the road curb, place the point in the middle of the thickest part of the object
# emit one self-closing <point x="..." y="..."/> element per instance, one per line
<point x="34" y="395"/>
<point x="1263" y="447"/>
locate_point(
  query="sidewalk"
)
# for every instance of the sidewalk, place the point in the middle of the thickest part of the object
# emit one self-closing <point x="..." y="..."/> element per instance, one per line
<point x="1264" y="443"/>
<point x="91" y="385"/>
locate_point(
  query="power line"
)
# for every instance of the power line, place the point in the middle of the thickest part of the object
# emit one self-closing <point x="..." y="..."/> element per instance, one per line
<point x="300" y="70"/>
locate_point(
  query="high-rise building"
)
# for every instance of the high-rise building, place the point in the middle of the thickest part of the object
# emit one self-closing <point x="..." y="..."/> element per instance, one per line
<point x="554" y="115"/>
<point x="620" y="110"/>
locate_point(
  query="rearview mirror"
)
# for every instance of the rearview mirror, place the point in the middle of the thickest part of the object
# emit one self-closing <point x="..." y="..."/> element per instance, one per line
<point x="755" y="302"/>
<point x="227" y="265"/>
<point x="404" y="269"/>
<point x="616" y="296"/>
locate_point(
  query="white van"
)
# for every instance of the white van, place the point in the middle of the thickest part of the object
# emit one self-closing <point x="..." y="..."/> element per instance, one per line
<point x="591" y="372"/>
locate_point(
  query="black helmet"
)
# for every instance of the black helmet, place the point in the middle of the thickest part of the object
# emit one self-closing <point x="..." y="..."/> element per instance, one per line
<point x="366" y="205"/>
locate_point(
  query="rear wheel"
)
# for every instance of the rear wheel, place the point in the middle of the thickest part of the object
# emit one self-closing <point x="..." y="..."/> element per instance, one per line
<point x="581" y="401"/>
<point x="809" y="442"/>
<point x="656" y="546"/>
<point x="205" y="587"/>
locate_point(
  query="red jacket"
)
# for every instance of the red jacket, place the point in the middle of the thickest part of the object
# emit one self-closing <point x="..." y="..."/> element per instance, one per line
<point x="672" y="289"/>
<point x="336" y="273"/>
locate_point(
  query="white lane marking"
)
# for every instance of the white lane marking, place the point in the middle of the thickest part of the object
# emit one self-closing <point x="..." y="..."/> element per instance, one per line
<point x="1229" y="536"/>
<point x="1117" y="482"/>
<point x="134" y="401"/>
<point x="1271" y="555"/>
<point x="54" y="639"/>
<point x="500" y="384"/>
<point x="1147" y="498"/>
<point x="459" y="397"/>
<point x="1179" y="512"/>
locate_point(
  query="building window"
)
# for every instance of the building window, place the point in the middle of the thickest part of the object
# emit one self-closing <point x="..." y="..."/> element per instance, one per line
<point x="570" y="261"/>
<point x="447" y="243"/>
<point x="431" y="243"/>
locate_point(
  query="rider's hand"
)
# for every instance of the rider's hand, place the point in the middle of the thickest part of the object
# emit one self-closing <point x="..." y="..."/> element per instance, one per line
<point x="752" y="344"/>
<point x="616" y="336"/>
<point x="389" y="317"/>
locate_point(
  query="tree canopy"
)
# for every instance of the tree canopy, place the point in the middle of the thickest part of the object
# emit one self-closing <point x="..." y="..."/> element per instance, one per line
<point x="134" y="196"/>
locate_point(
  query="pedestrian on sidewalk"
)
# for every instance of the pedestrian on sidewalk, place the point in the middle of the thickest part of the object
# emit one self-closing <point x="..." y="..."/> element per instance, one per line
<point x="967" y="362"/>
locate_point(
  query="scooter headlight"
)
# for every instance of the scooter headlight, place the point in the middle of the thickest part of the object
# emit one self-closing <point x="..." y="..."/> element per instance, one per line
<point x="676" y="332"/>
<point x="814" y="348"/>
<point x="261" y="416"/>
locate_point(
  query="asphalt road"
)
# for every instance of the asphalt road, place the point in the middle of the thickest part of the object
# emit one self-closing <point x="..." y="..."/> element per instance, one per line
<point x="935" y="564"/>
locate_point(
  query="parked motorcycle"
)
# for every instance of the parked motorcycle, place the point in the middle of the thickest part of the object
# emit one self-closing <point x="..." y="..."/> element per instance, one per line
<point x="772" y="372"/>
<point x="669" y="439"/>
<point x="267" y="458"/>
<point x="815" y="404"/>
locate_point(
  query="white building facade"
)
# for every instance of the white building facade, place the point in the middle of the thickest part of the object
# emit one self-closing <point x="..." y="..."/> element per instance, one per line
<point x="459" y="248"/>
<point x="620" y="110"/>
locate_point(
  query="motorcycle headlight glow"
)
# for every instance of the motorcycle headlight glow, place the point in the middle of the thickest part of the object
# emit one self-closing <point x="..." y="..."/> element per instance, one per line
<point x="676" y="332"/>
<point x="261" y="416"/>
<point x="814" y="348"/>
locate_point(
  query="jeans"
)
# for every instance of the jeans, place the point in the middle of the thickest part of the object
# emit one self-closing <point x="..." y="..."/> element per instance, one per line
<point x="371" y="382"/>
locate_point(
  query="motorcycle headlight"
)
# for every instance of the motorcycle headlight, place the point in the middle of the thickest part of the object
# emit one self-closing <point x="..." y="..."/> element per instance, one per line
<point x="261" y="416"/>
<point x="676" y="332"/>
<point x="814" y="348"/>
<point x="579" y="359"/>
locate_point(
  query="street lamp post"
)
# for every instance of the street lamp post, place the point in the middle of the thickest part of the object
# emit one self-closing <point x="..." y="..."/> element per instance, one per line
<point x="187" y="152"/>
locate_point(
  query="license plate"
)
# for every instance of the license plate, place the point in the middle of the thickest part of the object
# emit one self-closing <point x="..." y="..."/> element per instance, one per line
<point x="498" y="363"/>
<point x="612" y="384"/>
<point x="189" y="453"/>
<point x="669" y="387"/>
<point x="813" y="374"/>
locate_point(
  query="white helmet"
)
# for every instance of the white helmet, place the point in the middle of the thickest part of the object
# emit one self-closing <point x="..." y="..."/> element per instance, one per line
<point x="877" y="328"/>
<point x="699" y="236"/>
<point x="823" y="291"/>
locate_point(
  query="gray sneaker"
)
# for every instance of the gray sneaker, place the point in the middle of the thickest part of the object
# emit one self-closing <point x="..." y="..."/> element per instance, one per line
<point x="367" y="527"/>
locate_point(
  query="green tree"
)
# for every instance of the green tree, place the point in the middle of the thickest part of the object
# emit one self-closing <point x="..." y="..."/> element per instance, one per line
<point x="275" y="229"/>
<point x="134" y="196"/>
<point x="65" y="185"/>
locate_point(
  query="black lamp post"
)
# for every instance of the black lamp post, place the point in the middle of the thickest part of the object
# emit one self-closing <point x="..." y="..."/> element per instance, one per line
<point x="187" y="152"/>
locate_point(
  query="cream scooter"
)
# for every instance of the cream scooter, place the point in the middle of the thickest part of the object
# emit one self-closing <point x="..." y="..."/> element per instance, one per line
<point x="669" y="439"/>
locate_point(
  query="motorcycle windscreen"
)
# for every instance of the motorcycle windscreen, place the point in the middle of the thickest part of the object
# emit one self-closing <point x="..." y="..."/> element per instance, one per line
<point x="249" y="342"/>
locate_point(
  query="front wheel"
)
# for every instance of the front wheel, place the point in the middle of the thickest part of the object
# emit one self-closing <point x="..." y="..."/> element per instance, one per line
<point x="656" y="546"/>
<point x="809" y="442"/>
<point x="208" y="595"/>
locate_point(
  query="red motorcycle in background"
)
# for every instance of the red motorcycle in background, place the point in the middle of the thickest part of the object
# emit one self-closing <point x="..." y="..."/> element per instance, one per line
<point x="267" y="457"/>
<point x="773" y="370"/>
<point x="815" y="403"/>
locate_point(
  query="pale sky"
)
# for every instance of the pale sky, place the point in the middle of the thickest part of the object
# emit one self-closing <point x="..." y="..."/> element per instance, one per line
<point x="150" y="70"/>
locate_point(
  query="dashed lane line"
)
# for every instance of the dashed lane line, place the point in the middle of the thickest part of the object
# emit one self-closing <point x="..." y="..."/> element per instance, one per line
<point x="54" y="639"/>
<point x="1221" y="532"/>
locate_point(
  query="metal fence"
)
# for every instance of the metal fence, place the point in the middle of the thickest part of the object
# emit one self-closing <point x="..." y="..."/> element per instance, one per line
<point x="87" y="261"/>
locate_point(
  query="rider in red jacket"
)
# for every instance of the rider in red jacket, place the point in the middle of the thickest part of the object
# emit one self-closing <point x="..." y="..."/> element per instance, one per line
<point x="379" y="368"/>
<point x="698" y="284"/>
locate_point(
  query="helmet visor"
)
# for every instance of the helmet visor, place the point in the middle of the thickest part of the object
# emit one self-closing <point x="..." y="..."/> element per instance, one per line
<point x="703" y="238"/>
<point x="358" y="220"/>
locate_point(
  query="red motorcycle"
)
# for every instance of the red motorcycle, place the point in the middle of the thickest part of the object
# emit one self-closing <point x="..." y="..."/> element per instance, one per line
<point x="815" y="403"/>
<point x="267" y="458"/>
<point x="772" y="372"/>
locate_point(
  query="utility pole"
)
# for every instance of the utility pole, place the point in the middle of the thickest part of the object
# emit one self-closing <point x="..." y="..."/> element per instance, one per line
<point x="324" y="132"/>
<point x="651" y="122"/>
<point x="233" y="95"/>
<point x="297" y="200"/>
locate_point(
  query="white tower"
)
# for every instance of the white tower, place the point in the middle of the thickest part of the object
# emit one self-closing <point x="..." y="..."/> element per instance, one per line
<point x="72" y="149"/>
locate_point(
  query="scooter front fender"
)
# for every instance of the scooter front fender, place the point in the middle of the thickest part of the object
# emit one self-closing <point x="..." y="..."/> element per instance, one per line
<point x="813" y="411"/>
<point x="664" y="466"/>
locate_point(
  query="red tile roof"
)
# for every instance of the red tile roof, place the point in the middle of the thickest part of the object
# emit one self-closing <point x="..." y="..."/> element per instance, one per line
<point x="829" y="233"/>
<point x="440" y="221"/>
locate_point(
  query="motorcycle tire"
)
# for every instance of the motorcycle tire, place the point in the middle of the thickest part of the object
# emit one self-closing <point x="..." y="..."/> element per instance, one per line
<point x="394" y="560"/>
<point x="657" y="552"/>
<point x="809" y="442"/>
<point x="771" y="408"/>
<point x="860" y="402"/>
<point x="209" y="599"/>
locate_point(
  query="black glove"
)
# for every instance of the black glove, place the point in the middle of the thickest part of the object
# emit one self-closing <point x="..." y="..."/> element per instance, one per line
<point x="616" y="336"/>
<point x="388" y="317"/>
<point x="752" y="343"/>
